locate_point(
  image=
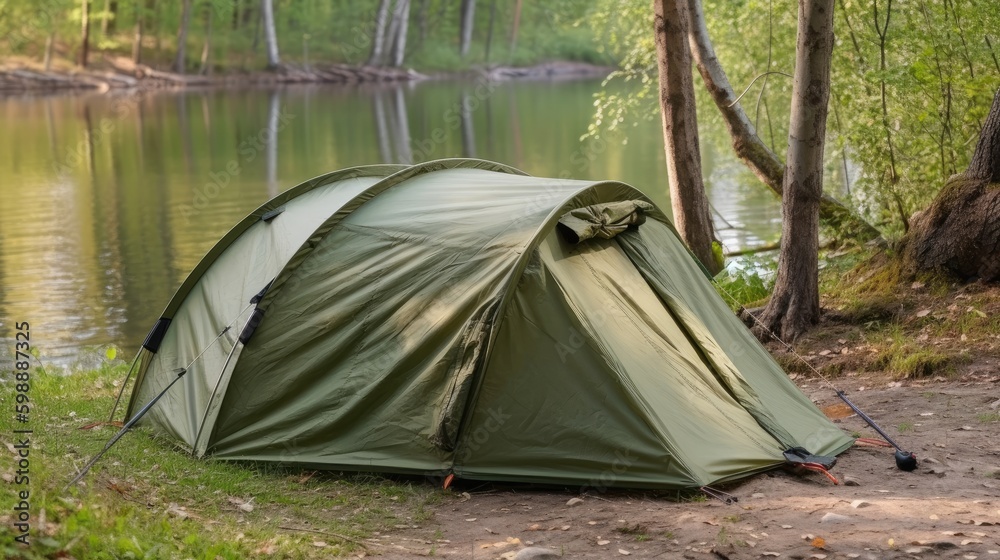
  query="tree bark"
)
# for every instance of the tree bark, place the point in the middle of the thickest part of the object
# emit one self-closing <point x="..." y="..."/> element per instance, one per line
<point x="206" y="48"/>
<point x="468" y="17"/>
<point x="137" y="41"/>
<point x="378" y="42"/>
<point x="270" y="36"/>
<point x="49" y="42"/>
<point x="692" y="215"/>
<point x="514" y="27"/>
<point x="794" y="305"/>
<point x="397" y="32"/>
<point x="747" y="145"/>
<point x="985" y="164"/>
<point x="108" y="17"/>
<point x="960" y="232"/>
<point x="182" y="31"/>
<point x="85" y="33"/>
<point x="489" y="29"/>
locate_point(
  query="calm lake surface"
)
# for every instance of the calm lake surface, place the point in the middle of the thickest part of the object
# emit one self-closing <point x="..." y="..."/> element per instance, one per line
<point x="108" y="201"/>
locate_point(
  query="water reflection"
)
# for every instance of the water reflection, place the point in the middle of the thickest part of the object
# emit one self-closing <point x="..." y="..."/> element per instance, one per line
<point x="109" y="200"/>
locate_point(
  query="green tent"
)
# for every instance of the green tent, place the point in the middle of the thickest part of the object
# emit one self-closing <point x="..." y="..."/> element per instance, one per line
<point x="459" y="316"/>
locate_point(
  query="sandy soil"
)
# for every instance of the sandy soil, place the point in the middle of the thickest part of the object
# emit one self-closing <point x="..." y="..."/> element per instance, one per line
<point x="949" y="507"/>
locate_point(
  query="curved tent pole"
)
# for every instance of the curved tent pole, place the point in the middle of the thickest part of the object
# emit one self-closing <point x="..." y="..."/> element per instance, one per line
<point x="544" y="227"/>
<point x="245" y="333"/>
<point x="263" y="212"/>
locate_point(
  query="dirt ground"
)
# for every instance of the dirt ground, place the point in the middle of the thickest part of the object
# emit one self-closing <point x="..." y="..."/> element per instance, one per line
<point x="949" y="507"/>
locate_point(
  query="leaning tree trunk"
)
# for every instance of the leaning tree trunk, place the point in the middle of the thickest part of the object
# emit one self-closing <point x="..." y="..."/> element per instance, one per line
<point x="794" y="305"/>
<point x="960" y="232"/>
<point x="692" y="215"/>
<point x="747" y="145"/>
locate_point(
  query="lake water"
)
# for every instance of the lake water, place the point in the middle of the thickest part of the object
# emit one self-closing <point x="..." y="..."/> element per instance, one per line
<point x="109" y="200"/>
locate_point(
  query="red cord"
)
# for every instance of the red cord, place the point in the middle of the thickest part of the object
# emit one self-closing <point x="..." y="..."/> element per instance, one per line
<point x="820" y="469"/>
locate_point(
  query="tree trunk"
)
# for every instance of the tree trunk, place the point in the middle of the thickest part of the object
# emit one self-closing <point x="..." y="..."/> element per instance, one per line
<point x="489" y="29"/>
<point x="692" y="215"/>
<point x="137" y="41"/>
<point x="206" y="48"/>
<point x="960" y="232"/>
<point x="157" y="40"/>
<point x="761" y="160"/>
<point x="985" y="164"/>
<point x="378" y="42"/>
<point x="794" y="305"/>
<point x="270" y="36"/>
<point x="49" y="42"/>
<point x="85" y="33"/>
<point x="108" y="17"/>
<point x="514" y="27"/>
<point x="422" y="19"/>
<point x="468" y="17"/>
<point x="182" y="31"/>
<point x="397" y="32"/>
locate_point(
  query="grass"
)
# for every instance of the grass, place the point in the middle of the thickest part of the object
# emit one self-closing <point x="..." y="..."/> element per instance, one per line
<point x="147" y="499"/>
<point x="988" y="417"/>
<point x="638" y="531"/>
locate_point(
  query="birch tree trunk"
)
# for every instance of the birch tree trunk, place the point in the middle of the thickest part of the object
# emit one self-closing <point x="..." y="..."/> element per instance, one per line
<point x="794" y="305"/>
<point x="378" y="42"/>
<point x="468" y="16"/>
<point x="270" y="36"/>
<point x="397" y="32"/>
<point x="692" y="215"/>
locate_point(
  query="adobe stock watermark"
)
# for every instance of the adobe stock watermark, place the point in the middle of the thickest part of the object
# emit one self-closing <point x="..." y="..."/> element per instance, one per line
<point x="248" y="150"/>
<point x="495" y="418"/>
<point x="609" y="477"/>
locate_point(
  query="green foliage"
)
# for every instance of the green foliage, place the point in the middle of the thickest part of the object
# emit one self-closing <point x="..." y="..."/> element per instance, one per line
<point x="746" y="282"/>
<point x="338" y="32"/>
<point x="939" y="77"/>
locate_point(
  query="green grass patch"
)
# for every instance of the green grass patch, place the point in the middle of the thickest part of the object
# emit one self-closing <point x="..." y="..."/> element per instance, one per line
<point x="988" y="417"/>
<point x="638" y="531"/>
<point x="148" y="499"/>
<point x="906" y="358"/>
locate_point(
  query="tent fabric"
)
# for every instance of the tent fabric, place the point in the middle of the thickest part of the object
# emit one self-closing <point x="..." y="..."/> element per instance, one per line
<point x="432" y="319"/>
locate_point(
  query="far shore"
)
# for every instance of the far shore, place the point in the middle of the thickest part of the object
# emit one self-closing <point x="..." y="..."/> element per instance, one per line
<point x="119" y="74"/>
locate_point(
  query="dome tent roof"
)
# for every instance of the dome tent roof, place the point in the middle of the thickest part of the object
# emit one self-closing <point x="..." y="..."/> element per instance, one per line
<point x="433" y="319"/>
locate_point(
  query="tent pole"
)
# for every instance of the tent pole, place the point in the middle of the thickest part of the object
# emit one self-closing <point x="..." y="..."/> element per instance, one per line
<point x="125" y="428"/>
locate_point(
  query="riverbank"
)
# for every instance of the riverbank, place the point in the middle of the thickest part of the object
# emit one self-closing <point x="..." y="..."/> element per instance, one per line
<point x="145" y="498"/>
<point x="120" y="74"/>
